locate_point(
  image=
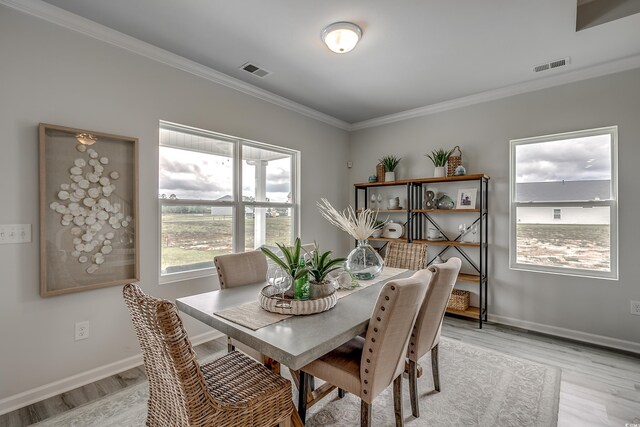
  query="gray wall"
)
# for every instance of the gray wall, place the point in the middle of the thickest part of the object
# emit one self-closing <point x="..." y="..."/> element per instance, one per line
<point x="53" y="75"/>
<point x="541" y="301"/>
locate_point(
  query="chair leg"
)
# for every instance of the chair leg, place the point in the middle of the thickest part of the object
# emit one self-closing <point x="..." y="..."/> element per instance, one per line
<point x="303" y="386"/>
<point x="365" y="414"/>
<point x="434" y="368"/>
<point x="230" y="347"/>
<point x="397" y="401"/>
<point x="413" y="388"/>
<point x="341" y="393"/>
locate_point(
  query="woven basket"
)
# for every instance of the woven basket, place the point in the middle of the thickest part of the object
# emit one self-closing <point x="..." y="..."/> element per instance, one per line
<point x="454" y="161"/>
<point x="272" y="302"/>
<point x="459" y="300"/>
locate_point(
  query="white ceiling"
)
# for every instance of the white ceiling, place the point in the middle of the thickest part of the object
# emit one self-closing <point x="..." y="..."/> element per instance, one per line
<point x="413" y="53"/>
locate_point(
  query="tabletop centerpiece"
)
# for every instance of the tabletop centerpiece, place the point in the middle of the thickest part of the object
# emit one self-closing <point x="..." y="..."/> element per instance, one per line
<point x="363" y="262"/>
<point x="319" y="266"/>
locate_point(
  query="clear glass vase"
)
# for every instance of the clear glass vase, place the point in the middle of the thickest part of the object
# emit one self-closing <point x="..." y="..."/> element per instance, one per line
<point x="364" y="262"/>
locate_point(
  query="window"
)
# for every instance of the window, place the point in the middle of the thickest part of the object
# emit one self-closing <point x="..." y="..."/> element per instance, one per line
<point x="564" y="207"/>
<point x="219" y="195"/>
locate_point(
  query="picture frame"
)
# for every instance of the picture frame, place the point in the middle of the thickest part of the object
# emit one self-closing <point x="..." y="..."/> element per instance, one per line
<point x="88" y="210"/>
<point x="466" y="198"/>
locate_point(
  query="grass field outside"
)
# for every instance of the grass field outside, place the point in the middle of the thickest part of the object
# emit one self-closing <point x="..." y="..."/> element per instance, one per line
<point x="564" y="245"/>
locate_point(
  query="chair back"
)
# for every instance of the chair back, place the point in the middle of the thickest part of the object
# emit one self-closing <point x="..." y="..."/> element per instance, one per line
<point x="387" y="336"/>
<point x="411" y="256"/>
<point x="177" y="388"/>
<point x="426" y="332"/>
<point x="241" y="269"/>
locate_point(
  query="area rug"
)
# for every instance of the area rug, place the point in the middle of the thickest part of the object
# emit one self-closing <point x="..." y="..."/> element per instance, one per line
<point x="478" y="388"/>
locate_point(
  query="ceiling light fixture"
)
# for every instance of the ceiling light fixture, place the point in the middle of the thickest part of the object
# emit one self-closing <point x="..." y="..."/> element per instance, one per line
<point x="86" y="138"/>
<point x="341" y="37"/>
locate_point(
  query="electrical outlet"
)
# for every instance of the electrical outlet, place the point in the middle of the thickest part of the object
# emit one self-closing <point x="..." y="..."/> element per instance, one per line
<point x="15" y="233"/>
<point x="635" y="307"/>
<point x="82" y="330"/>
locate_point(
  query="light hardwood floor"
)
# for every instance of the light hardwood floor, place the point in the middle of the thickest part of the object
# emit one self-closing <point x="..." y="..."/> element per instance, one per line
<point x="599" y="387"/>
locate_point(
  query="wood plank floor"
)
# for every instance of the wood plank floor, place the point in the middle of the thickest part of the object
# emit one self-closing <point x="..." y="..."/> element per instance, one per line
<point x="599" y="387"/>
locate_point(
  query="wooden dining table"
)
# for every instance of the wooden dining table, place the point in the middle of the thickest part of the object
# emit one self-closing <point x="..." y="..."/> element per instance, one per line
<point x="294" y="341"/>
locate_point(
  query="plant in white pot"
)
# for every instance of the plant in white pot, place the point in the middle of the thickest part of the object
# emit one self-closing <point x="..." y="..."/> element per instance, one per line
<point x="319" y="266"/>
<point x="389" y="162"/>
<point x="439" y="158"/>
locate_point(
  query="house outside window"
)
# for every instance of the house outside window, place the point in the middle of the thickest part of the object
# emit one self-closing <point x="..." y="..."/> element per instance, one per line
<point x="564" y="208"/>
<point x="218" y="195"/>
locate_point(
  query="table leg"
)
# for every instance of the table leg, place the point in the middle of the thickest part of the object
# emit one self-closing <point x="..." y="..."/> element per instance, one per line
<point x="272" y="364"/>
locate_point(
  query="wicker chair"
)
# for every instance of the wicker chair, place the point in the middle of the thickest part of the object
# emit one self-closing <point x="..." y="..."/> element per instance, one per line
<point x="411" y="256"/>
<point x="231" y="391"/>
<point x="426" y="332"/>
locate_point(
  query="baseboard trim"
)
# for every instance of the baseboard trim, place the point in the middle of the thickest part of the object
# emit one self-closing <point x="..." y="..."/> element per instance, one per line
<point x="37" y="394"/>
<point x="600" y="340"/>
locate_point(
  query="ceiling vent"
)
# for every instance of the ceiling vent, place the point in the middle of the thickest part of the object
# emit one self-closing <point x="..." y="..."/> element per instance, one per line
<point x="553" y="64"/>
<point x="255" y="69"/>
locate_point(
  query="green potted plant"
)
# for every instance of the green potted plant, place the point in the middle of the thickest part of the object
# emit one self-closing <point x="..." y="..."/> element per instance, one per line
<point x="389" y="162"/>
<point x="439" y="158"/>
<point x="319" y="266"/>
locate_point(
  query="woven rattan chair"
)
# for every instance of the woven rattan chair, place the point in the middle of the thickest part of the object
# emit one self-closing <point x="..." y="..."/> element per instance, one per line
<point x="411" y="256"/>
<point x="426" y="332"/>
<point x="231" y="391"/>
<point x="367" y="366"/>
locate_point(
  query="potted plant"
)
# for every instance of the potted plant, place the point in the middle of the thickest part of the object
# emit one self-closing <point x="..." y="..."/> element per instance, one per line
<point x="389" y="162"/>
<point x="439" y="158"/>
<point x="289" y="261"/>
<point x="319" y="266"/>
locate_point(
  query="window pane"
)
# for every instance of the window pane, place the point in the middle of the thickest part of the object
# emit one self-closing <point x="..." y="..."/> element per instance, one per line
<point x="193" y="235"/>
<point x="267" y="226"/>
<point x="564" y="170"/>
<point x="579" y="239"/>
<point x="266" y="175"/>
<point x="194" y="167"/>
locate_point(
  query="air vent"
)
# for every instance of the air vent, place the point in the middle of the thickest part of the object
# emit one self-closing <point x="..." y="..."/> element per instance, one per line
<point x="254" y="69"/>
<point x="552" y="64"/>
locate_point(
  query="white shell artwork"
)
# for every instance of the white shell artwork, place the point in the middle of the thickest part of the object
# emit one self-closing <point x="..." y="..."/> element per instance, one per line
<point x="86" y="208"/>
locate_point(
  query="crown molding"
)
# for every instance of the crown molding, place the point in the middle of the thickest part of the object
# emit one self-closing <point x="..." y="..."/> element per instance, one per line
<point x="603" y="69"/>
<point x="63" y="18"/>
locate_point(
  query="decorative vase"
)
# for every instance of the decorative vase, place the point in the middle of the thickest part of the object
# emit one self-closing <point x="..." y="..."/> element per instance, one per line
<point x="438" y="172"/>
<point x="445" y="202"/>
<point x="377" y="233"/>
<point x="363" y="262"/>
<point x="389" y="176"/>
<point x="321" y="290"/>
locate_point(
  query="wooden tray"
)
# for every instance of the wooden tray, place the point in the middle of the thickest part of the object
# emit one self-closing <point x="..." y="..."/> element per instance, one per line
<point x="274" y="303"/>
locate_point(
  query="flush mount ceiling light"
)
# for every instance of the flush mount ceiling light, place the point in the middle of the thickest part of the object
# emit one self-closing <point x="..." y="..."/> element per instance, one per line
<point x="341" y="37"/>
<point x="86" y="138"/>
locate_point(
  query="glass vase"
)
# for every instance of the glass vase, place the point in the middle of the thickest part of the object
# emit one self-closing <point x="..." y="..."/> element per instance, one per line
<point x="363" y="262"/>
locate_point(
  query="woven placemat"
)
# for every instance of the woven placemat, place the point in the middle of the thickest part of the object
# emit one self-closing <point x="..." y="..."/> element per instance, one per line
<point x="254" y="317"/>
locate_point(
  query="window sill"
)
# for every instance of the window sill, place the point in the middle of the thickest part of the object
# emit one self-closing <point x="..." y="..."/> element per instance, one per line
<point x="186" y="275"/>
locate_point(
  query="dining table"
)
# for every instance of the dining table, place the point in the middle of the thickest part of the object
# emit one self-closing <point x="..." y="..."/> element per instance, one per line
<point x="293" y="341"/>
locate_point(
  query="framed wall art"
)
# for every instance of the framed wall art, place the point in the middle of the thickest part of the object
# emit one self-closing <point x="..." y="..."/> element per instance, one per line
<point x="466" y="198"/>
<point x="88" y="210"/>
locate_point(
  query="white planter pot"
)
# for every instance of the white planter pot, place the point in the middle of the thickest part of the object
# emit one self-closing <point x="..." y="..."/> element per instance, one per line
<point x="390" y="176"/>
<point x="438" y="172"/>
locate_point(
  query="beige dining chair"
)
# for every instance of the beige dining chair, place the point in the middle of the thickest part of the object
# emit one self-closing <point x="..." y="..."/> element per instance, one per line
<point x="426" y="332"/>
<point x="233" y="390"/>
<point x="367" y="366"/>
<point x="412" y="256"/>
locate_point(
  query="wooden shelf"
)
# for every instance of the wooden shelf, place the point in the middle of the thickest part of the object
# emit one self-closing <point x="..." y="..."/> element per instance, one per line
<point x="447" y="243"/>
<point x="473" y="278"/>
<point x="444" y="210"/>
<point x="386" y="239"/>
<point x="385" y="210"/>
<point x="473" y="312"/>
<point x="474" y="177"/>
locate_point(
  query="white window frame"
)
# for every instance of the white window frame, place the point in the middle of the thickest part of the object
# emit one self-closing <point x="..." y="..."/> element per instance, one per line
<point x="612" y="204"/>
<point x="237" y="205"/>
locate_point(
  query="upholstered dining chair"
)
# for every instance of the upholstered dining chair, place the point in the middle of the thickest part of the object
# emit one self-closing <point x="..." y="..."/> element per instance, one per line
<point x="233" y="390"/>
<point x="367" y="366"/>
<point x="426" y="332"/>
<point x="411" y="256"/>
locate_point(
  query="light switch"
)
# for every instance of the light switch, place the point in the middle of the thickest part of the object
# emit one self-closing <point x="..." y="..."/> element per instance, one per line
<point x="15" y="233"/>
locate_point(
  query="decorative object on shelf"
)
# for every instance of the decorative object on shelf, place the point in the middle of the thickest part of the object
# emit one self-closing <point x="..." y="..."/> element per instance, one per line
<point x="445" y="202"/>
<point x="378" y="231"/>
<point x="291" y="255"/>
<point x="380" y="172"/>
<point x="429" y="199"/>
<point x="454" y="161"/>
<point x="392" y="230"/>
<point x="319" y="266"/>
<point x="434" y="234"/>
<point x="439" y="158"/>
<point x="373" y="178"/>
<point x="466" y="198"/>
<point x="390" y="163"/>
<point x="88" y="210"/>
<point x="468" y="234"/>
<point x="459" y="300"/>
<point x="460" y="170"/>
<point x="394" y="203"/>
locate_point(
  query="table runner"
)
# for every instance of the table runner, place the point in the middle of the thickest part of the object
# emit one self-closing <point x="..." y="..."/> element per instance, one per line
<point x="254" y="317"/>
